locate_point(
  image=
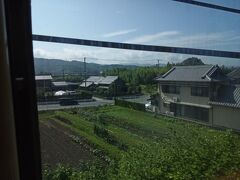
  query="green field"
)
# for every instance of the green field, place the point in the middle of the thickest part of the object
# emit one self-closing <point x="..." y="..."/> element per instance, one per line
<point x="137" y="145"/>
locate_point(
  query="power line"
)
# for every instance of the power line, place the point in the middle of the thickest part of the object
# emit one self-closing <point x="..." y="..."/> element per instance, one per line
<point x="151" y="48"/>
<point x="208" y="5"/>
<point x="85" y="72"/>
<point x="118" y="60"/>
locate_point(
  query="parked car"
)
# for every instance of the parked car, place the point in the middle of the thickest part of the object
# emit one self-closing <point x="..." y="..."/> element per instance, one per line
<point x="67" y="101"/>
<point x="148" y="105"/>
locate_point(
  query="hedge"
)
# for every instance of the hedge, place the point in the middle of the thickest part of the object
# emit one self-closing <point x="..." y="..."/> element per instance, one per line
<point x="131" y="105"/>
<point x="79" y="96"/>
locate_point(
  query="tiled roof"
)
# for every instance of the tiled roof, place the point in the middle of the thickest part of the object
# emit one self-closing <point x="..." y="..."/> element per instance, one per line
<point x="63" y="83"/>
<point x="108" y="80"/>
<point x="95" y="79"/>
<point x="43" y="77"/>
<point x="101" y="80"/>
<point x="203" y="73"/>
<point x="228" y="96"/>
<point x="72" y="83"/>
<point x="235" y="74"/>
<point x="60" y="83"/>
<point x="87" y="84"/>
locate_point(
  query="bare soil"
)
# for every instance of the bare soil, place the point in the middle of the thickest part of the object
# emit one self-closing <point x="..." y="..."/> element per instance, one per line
<point x="58" y="146"/>
<point x="231" y="176"/>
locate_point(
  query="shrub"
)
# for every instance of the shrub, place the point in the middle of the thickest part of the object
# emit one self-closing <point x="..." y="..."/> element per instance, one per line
<point x="131" y="105"/>
<point x="103" y="133"/>
<point x="59" y="173"/>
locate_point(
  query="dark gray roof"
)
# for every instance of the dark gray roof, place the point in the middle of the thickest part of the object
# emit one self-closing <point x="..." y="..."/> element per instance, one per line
<point x="203" y="73"/>
<point x="43" y="77"/>
<point x="72" y="83"/>
<point x="235" y="74"/>
<point x="60" y="83"/>
<point x="108" y="80"/>
<point x="101" y="79"/>
<point x="63" y="83"/>
<point x="87" y="84"/>
<point x="228" y="96"/>
<point x="95" y="79"/>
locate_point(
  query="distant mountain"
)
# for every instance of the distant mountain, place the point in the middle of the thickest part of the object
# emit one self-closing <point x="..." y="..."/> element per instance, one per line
<point x="191" y="62"/>
<point x="57" y="66"/>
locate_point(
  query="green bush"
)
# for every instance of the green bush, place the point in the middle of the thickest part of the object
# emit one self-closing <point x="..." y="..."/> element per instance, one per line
<point x="131" y="105"/>
<point x="95" y="170"/>
<point x="78" y="96"/>
<point x="156" y="148"/>
<point x="103" y="133"/>
<point x="59" y="173"/>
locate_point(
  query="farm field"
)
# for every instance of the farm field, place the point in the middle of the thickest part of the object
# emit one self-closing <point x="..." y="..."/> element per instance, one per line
<point x="113" y="142"/>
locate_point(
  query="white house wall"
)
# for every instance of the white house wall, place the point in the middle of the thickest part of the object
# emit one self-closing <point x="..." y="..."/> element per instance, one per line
<point x="228" y="117"/>
<point x="185" y="96"/>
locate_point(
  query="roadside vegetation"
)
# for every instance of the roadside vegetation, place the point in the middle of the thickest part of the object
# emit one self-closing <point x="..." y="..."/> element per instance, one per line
<point x="136" y="145"/>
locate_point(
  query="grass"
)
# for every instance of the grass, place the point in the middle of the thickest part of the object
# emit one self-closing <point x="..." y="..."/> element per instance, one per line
<point x="85" y="129"/>
<point x="155" y="147"/>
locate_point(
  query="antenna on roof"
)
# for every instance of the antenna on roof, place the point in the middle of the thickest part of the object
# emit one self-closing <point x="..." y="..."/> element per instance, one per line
<point x="164" y="75"/>
<point x="206" y="73"/>
<point x="63" y="74"/>
<point x="85" y="72"/>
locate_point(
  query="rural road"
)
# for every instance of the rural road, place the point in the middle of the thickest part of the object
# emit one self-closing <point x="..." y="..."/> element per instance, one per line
<point x="138" y="99"/>
<point x="97" y="102"/>
<point x="55" y="106"/>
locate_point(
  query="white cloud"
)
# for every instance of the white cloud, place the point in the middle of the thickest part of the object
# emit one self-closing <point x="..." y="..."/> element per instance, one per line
<point x="44" y="53"/>
<point x="109" y="56"/>
<point x="118" y="33"/>
<point x="119" y="12"/>
<point x="219" y="41"/>
<point x="154" y="37"/>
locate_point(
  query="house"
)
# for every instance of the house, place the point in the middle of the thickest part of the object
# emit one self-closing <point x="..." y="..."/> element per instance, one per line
<point x="200" y="93"/>
<point x="107" y="81"/>
<point x="107" y="85"/>
<point x="226" y="107"/>
<point x="60" y="85"/>
<point x="101" y="81"/>
<point x="43" y="82"/>
<point x="63" y="85"/>
<point x="91" y="82"/>
<point x="235" y="75"/>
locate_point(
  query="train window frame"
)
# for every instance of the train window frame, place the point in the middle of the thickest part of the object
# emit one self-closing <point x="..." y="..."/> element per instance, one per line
<point x="18" y="14"/>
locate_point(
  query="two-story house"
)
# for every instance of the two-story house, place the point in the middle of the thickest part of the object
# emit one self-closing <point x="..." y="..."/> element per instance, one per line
<point x="189" y="92"/>
<point x="44" y="82"/>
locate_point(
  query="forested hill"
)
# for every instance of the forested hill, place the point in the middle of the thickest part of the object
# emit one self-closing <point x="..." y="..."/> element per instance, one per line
<point x="137" y="76"/>
<point x="146" y="75"/>
<point x="57" y="66"/>
<point x="193" y="61"/>
<point x="131" y="74"/>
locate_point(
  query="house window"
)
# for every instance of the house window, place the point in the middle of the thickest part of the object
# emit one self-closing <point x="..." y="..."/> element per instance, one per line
<point x="196" y="113"/>
<point x="166" y="105"/>
<point x="171" y="89"/>
<point x="199" y="91"/>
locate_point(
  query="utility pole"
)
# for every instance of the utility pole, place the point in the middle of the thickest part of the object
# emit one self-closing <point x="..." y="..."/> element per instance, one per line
<point x="158" y="63"/>
<point x="85" y="72"/>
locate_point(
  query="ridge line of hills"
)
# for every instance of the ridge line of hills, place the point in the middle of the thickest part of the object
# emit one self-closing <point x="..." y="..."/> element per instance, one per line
<point x="58" y="67"/>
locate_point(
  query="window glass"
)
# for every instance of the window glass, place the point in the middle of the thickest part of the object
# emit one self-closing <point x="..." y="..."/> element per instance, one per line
<point x="171" y="89"/>
<point x="199" y="91"/>
<point x="125" y="89"/>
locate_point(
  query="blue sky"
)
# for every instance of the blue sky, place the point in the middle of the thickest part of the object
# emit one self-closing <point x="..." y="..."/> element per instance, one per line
<point x="157" y="22"/>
